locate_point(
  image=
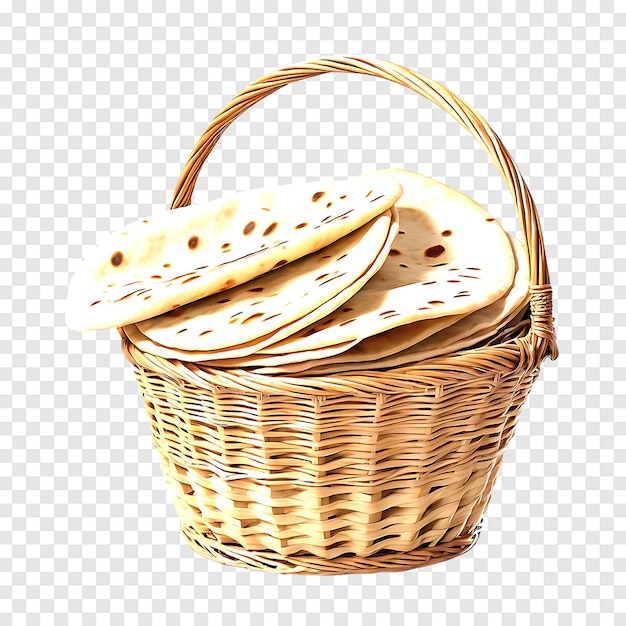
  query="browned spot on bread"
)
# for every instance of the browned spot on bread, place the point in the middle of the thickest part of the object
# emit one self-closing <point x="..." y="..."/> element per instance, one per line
<point x="367" y="195"/>
<point x="256" y="289"/>
<point x="438" y="265"/>
<point x="147" y="297"/>
<point x="249" y="227"/>
<point x="454" y="281"/>
<point x="326" y="257"/>
<point x="343" y="197"/>
<point x="96" y="302"/>
<point x="402" y="232"/>
<point x="453" y="269"/>
<point x="202" y="267"/>
<point x="145" y="221"/>
<point x="228" y="284"/>
<point x="423" y="308"/>
<point x="182" y="330"/>
<point x="461" y="295"/>
<point x="343" y="256"/>
<point x="272" y="316"/>
<point x="321" y="276"/>
<point x="117" y="258"/>
<point x="394" y="252"/>
<point x="224" y="301"/>
<point x="387" y="312"/>
<point x="446" y="233"/>
<point x="193" y="242"/>
<point x="435" y="302"/>
<point x="175" y="306"/>
<point x="490" y="219"/>
<point x="205" y="332"/>
<point x="434" y="251"/>
<point x="329" y="205"/>
<point x="225" y="245"/>
<point x="431" y="282"/>
<point x="132" y="293"/>
<point x="347" y="310"/>
<point x="166" y="265"/>
<point x="252" y="317"/>
<point x="317" y="195"/>
<point x="188" y="280"/>
<point x="156" y="277"/>
<point x="391" y="315"/>
<point x="477" y="269"/>
<point x="348" y="322"/>
<point x="303" y="225"/>
<point x="270" y="229"/>
<point x="403" y="265"/>
<point x="280" y="263"/>
<point x="265" y="209"/>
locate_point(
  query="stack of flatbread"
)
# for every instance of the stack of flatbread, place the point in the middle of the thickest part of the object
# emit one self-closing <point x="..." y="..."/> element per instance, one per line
<point x="383" y="270"/>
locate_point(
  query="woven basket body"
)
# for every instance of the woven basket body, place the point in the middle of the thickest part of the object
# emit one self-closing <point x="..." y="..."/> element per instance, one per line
<point x="352" y="472"/>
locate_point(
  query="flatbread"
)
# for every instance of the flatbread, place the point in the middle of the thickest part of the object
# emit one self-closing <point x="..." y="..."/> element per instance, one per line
<point x="199" y="318"/>
<point x="160" y="263"/>
<point x="278" y="302"/>
<point x="451" y="257"/>
<point x="472" y="329"/>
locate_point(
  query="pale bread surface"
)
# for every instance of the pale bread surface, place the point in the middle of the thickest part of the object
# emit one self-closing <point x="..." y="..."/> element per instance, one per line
<point x="159" y="263"/>
<point x="451" y="257"/>
<point x="468" y="331"/>
<point x="152" y="345"/>
<point x="275" y="301"/>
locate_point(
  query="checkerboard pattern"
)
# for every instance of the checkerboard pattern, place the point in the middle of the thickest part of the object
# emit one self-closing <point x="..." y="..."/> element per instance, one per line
<point x="98" y="113"/>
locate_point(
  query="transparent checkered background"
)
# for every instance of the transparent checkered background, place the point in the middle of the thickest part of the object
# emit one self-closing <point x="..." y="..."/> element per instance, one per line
<point x="98" y="113"/>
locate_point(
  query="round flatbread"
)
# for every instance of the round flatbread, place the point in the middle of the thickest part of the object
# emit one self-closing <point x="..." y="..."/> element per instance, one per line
<point x="160" y="263"/>
<point x="403" y="345"/>
<point x="451" y="257"/>
<point x="274" y="305"/>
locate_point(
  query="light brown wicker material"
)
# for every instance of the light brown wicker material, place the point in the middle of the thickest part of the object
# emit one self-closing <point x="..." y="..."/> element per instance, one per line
<point x="352" y="472"/>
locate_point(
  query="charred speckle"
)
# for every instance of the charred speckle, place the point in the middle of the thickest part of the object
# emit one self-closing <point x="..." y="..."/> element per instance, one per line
<point x="206" y="332"/>
<point x="224" y="301"/>
<point x="117" y="259"/>
<point x="434" y="251"/>
<point x="446" y="233"/>
<point x="394" y="252"/>
<point x="166" y="265"/>
<point x="96" y="302"/>
<point x="270" y="229"/>
<point x="193" y="242"/>
<point x="225" y="245"/>
<point x="280" y="263"/>
<point x="329" y="205"/>
<point x="252" y="317"/>
<point x="343" y="197"/>
<point x="249" y="227"/>
<point x="301" y="225"/>
<point x="256" y="289"/>
<point x="435" y="302"/>
<point x="317" y="195"/>
<point x="156" y="276"/>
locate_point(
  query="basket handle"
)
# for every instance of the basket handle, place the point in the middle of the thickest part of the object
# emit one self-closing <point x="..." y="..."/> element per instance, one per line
<point x="463" y="113"/>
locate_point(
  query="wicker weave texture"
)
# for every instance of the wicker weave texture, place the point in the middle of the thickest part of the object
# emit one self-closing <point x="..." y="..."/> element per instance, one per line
<point x="352" y="472"/>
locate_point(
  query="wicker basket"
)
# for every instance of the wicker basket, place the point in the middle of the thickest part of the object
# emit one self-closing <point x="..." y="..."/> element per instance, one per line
<point x="354" y="472"/>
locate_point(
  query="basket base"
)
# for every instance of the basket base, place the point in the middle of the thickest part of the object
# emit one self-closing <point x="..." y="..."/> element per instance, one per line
<point x="384" y="561"/>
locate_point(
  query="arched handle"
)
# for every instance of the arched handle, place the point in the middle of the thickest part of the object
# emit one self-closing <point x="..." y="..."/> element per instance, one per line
<point x="462" y="112"/>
